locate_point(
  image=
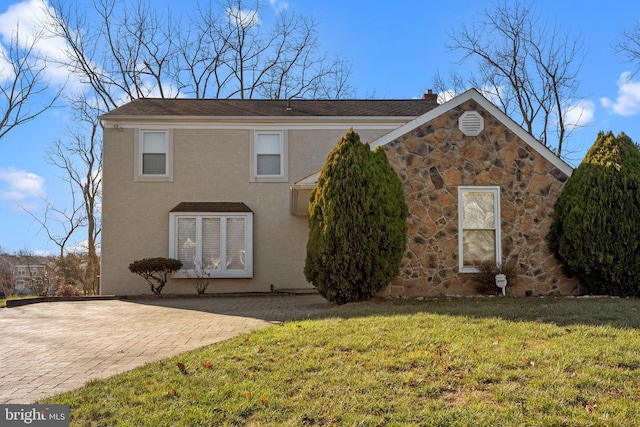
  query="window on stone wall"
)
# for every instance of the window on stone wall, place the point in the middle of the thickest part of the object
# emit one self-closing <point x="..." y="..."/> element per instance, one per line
<point x="479" y="225"/>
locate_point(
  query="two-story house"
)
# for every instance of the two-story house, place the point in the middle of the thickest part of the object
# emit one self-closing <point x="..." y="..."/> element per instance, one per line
<point x="28" y="274"/>
<point x="223" y="185"/>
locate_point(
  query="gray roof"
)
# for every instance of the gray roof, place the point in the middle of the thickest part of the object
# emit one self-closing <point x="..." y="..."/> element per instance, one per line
<point x="271" y="108"/>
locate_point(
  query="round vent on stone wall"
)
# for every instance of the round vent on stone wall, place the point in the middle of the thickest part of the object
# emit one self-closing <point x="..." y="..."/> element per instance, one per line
<point x="471" y="123"/>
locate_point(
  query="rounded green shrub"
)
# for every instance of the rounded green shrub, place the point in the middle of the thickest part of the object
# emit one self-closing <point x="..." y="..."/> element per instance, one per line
<point x="596" y="229"/>
<point x="156" y="271"/>
<point x="357" y="223"/>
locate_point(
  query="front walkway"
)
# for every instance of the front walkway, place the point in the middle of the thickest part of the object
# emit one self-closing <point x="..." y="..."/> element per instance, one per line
<point x="49" y="348"/>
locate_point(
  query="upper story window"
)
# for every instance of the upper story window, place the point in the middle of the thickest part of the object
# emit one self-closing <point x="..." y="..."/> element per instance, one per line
<point x="269" y="157"/>
<point x="154" y="156"/>
<point x="479" y="227"/>
<point x="154" y="152"/>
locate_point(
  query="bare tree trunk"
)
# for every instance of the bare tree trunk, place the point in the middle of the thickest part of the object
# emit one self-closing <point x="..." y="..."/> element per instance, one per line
<point x="80" y="159"/>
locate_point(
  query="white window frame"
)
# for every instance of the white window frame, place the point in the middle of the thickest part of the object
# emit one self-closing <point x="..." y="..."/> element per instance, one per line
<point x="284" y="157"/>
<point x="138" y="174"/>
<point x="222" y="272"/>
<point x="496" y="218"/>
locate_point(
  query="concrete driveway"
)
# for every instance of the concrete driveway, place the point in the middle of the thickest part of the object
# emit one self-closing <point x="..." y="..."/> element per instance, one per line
<point x="53" y="347"/>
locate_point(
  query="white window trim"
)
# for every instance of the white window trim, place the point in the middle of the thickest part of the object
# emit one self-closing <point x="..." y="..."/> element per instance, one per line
<point x="223" y="273"/>
<point x="138" y="176"/>
<point x="284" y="157"/>
<point x="496" y="209"/>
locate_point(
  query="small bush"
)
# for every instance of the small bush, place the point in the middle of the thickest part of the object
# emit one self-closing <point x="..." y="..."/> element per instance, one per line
<point x="68" y="291"/>
<point x="201" y="281"/>
<point x="486" y="277"/>
<point x="156" y="271"/>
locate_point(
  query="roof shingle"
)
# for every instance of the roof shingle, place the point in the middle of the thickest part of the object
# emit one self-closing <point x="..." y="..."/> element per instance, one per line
<point x="271" y="108"/>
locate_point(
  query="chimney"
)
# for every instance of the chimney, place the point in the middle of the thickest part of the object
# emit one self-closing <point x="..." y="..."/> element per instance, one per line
<point x="430" y="96"/>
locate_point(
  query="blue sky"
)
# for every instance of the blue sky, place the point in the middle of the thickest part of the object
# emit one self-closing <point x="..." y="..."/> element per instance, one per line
<point x="395" y="47"/>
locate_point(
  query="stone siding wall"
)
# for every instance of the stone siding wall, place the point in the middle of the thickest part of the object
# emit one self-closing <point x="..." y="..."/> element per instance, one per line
<point x="432" y="161"/>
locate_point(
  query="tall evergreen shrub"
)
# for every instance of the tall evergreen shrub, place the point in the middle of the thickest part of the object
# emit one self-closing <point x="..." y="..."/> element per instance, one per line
<point x="357" y="223"/>
<point x="596" y="229"/>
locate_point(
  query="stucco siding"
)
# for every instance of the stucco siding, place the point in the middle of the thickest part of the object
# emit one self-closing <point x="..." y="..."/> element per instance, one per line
<point x="211" y="165"/>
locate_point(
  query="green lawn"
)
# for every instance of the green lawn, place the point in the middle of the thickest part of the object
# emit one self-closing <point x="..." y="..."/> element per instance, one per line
<point x="460" y="362"/>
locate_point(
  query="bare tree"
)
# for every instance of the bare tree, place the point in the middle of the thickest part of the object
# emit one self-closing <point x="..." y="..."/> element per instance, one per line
<point x="22" y="82"/>
<point x="7" y="280"/>
<point x="79" y="158"/>
<point x="60" y="224"/>
<point x="224" y="50"/>
<point x="629" y="46"/>
<point x="527" y="67"/>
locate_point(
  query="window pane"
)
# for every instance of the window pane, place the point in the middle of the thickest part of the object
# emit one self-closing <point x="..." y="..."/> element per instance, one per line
<point x="478" y="210"/>
<point x="211" y="243"/>
<point x="154" y="142"/>
<point x="478" y="246"/>
<point x="187" y="242"/>
<point x="268" y="143"/>
<point x="268" y="164"/>
<point x="154" y="164"/>
<point x="235" y="244"/>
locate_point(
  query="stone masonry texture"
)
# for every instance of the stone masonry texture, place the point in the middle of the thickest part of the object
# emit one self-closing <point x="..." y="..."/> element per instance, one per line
<point x="432" y="161"/>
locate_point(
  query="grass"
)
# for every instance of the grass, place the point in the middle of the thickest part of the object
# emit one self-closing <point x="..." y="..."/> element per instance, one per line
<point x="486" y="362"/>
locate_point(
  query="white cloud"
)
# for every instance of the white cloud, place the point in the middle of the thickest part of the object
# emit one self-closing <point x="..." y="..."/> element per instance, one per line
<point x="26" y="17"/>
<point x="579" y="114"/>
<point x="6" y="70"/>
<point x="446" y="96"/>
<point x="243" y="17"/>
<point x="278" y="5"/>
<point x="493" y="94"/>
<point x="20" y="185"/>
<point x="628" y="101"/>
<point x="27" y="20"/>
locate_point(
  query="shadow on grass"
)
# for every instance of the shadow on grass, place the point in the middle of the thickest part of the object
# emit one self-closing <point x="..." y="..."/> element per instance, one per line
<point x="272" y="307"/>
<point x="615" y="312"/>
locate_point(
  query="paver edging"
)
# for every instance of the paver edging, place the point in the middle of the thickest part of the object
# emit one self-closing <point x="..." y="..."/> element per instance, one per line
<point x="36" y="300"/>
<point x="26" y="301"/>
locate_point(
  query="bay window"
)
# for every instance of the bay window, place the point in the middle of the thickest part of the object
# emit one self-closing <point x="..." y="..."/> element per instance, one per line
<point x="215" y="244"/>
